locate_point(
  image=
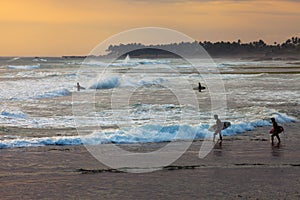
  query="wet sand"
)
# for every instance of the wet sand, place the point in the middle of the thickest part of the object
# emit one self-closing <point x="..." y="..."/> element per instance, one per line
<point x="244" y="167"/>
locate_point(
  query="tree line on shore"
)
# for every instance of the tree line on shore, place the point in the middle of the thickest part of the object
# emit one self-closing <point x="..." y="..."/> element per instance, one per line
<point x="290" y="47"/>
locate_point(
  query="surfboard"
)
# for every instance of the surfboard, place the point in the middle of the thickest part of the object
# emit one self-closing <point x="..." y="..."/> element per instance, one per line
<point x="81" y="88"/>
<point x="226" y="125"/>
<point x="214" y="127"/>
<point x="280" y="130"/>
<point x="197" y="88"/>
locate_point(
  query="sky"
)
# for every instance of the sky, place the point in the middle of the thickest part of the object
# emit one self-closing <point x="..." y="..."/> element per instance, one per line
<point x="75" y="27"/>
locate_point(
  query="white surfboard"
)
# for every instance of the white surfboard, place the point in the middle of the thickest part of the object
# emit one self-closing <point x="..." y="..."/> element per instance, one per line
<point x="213" y="128"/>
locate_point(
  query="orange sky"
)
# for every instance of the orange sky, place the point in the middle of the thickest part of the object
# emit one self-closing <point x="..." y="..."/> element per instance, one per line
<point x="75" y="27"/>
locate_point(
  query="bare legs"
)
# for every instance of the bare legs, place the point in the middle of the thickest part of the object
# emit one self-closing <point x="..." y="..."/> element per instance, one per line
<point x="220" y="135"/>
<point x="275" y="135"/>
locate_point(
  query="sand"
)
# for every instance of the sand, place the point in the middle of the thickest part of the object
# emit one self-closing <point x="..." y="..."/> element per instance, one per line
<point x="244" y="167"/>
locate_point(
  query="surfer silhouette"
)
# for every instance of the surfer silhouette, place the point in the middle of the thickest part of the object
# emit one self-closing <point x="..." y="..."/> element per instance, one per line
<point x="79" y="87"/>
<point x="218" y="129"/>
<point x="275" y="131"/>
<point x="200" y="87"/>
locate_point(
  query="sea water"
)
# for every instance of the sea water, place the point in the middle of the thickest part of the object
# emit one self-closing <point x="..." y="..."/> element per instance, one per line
<point x="39" y="94"/>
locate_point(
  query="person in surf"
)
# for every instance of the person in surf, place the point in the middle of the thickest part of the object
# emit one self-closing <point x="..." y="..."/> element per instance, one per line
<point x="275" y="131"/>
<point x="218" y="129"/>
<point x="79" y="87"/>
<point x="200" y="87"/>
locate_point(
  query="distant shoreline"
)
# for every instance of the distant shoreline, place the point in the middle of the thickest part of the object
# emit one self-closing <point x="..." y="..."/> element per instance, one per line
<point x="255" y="50"/>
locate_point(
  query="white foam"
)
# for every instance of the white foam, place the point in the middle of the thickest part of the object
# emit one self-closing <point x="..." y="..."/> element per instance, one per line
<point x="39" y="60"/>
<point x="54" y="93"/>
<point x="141" y="134"/>
<point x="115" y="81"/>
<point x="33" y="74"/>
<point x="23" y="66"/>
<point x="34" y="142"/>
<point x="15" y="117"/>
<point x="124" y="63"/>
<point x="8" y="113"/>
<point x="109" y="83"/>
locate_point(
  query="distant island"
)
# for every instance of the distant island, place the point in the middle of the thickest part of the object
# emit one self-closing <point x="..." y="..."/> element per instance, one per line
<point x="256" y="50"/>
<point x="290" y="49"/>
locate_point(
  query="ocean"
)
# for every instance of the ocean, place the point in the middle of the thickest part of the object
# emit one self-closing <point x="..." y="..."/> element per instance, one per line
<point x="139" y="100"/>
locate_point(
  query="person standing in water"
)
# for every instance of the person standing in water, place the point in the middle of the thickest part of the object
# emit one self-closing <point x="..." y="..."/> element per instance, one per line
<point x="200" y="87"/>
<point x="275" y="131"/>
<point x="218" y="129"/>
<point x="79" y="87"/>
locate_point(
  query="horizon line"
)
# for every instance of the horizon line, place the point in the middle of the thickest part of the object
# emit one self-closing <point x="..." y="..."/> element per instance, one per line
<point x="275" y="43"/>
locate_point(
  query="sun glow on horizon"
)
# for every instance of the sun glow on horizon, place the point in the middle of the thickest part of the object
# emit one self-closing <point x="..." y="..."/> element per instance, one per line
<point x="55" y="28"/>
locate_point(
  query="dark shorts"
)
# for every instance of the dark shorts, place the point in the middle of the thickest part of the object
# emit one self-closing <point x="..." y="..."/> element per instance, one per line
<point x="275" y="134"/>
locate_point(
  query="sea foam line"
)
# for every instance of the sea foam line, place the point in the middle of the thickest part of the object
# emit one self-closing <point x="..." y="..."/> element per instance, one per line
<point x="144" y="134"/>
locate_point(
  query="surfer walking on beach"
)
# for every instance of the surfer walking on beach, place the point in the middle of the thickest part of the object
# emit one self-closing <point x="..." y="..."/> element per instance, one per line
<point x="275" y="131"/>
<point x="219" y="127"/>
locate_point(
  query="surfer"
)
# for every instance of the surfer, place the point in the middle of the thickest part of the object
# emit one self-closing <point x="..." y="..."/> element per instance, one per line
<point x="219" y="127"/>
<point x="200" y="87"/>
<point x="276" y="131"/>
<point x="79" y="87"/>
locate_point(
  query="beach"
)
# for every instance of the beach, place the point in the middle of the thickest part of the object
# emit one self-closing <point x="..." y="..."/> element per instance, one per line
<point x="244" y="167"/>
<point x="138" y="100"/>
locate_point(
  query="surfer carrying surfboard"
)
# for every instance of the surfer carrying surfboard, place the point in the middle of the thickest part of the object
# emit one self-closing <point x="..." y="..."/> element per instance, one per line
<point x="275" y="131"/>
<point x="218" y="128"/>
